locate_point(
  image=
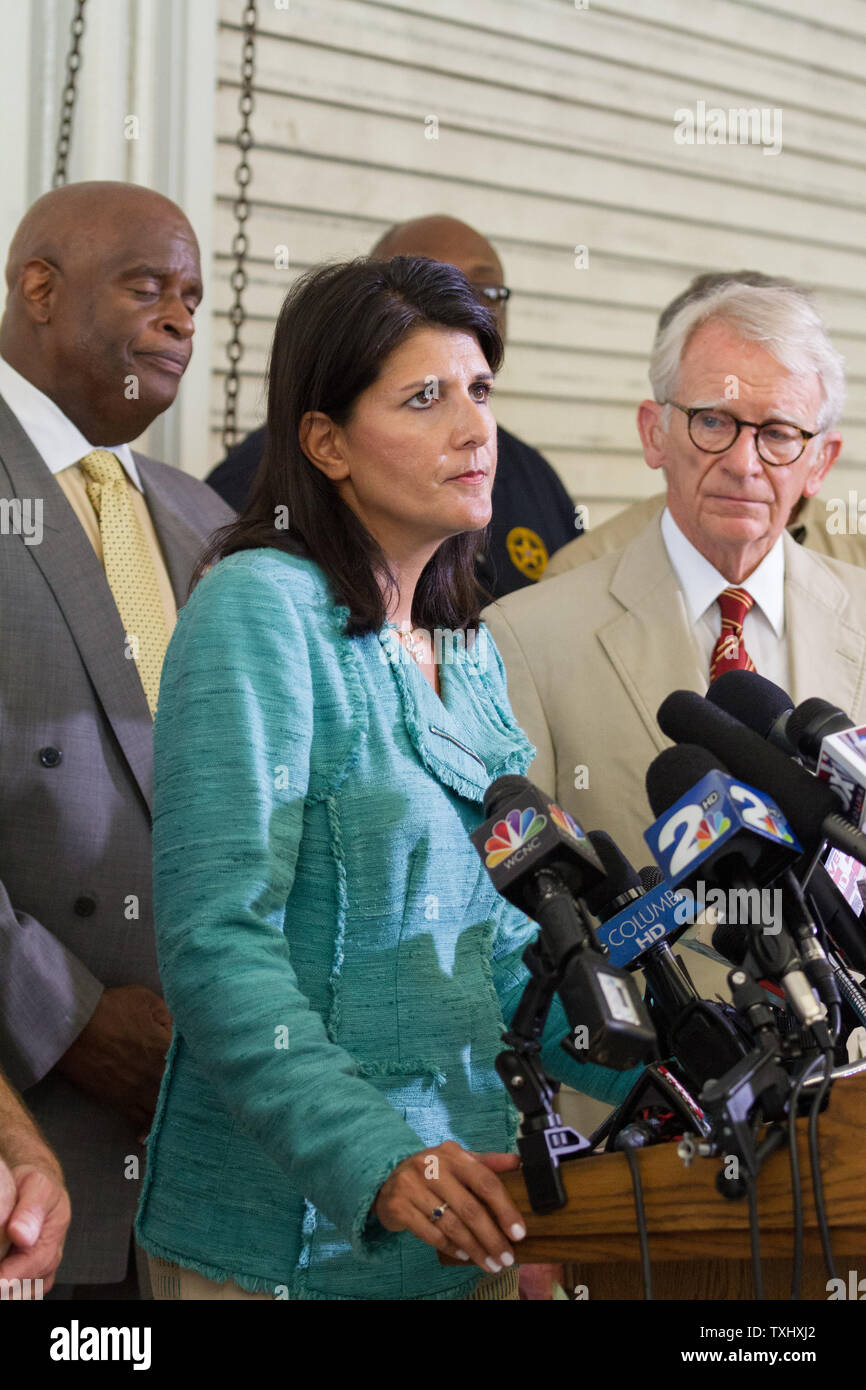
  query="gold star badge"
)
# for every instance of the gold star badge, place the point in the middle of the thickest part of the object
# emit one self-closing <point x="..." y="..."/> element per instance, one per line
<point x="527" y="551"/>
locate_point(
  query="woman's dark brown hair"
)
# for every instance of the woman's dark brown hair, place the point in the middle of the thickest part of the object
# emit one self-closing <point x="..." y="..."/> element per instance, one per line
<point x="337" y="326"/>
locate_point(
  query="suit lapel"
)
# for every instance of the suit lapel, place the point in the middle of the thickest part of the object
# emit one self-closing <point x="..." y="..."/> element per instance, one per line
<point x="77" y="580"/>
<point x="178" y="541"/>
<point x="650" y="645"/>
<point x="826" y="650"/>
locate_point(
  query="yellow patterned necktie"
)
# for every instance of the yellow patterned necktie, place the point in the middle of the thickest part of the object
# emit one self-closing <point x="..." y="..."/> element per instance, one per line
<point x="129" y="567"/>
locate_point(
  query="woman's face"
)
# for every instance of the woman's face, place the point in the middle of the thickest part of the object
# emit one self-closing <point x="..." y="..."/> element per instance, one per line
<point x="418" y="455"/>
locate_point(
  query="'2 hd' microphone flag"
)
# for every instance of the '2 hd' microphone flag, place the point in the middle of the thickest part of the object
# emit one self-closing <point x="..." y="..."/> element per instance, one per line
<point x="712" y="814"/>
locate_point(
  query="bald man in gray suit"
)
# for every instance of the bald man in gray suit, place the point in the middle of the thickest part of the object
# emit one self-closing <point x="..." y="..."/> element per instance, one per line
<point x="103" y="282"/>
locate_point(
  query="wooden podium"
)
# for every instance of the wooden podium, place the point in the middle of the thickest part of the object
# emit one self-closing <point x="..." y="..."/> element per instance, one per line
<point x="699" y="1240"/>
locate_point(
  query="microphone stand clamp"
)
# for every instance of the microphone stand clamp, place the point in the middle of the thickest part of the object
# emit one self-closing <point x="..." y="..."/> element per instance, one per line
<point x="544" y="1142"/>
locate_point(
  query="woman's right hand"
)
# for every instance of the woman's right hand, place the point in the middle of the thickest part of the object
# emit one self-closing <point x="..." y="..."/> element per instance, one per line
<point x="480" y="1221"/>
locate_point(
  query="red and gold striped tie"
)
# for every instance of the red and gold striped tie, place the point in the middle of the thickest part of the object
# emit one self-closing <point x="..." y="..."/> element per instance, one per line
<point x="729" y="653"/>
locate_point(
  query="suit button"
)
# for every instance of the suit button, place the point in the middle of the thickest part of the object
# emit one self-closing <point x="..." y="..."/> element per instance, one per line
<point x="84" y="906"/>
<point x="50" y="757"/>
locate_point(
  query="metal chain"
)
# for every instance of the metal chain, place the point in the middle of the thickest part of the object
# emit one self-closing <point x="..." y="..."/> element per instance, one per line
<point x="73" y="63"/>
<point x="240" y="244"/>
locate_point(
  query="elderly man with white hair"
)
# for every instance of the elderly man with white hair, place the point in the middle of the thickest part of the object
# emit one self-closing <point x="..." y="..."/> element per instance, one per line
<point x="748" y="390"/>
<point x="822" y="524"/>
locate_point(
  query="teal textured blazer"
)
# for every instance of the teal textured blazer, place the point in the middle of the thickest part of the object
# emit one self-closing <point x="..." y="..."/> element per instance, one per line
<point x="337" y="962"/>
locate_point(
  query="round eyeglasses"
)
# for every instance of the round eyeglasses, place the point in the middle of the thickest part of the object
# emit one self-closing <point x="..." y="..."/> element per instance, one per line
<point x="714" y="431"/>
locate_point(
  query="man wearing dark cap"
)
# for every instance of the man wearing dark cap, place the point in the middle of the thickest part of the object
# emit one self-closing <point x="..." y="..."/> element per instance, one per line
<point x="533" y="515"/>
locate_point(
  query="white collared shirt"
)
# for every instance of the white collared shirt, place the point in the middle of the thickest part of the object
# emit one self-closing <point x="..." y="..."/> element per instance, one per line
<point x="52" y="433"/>
<point x="701" y="584"/>
<point x="61" y="444"/>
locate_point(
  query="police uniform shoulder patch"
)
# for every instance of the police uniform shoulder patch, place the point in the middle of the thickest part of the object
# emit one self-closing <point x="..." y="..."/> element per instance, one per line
<point x="527" y="551"/>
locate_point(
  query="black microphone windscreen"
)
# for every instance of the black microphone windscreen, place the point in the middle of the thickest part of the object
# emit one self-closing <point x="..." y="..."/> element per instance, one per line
<point x="504" y="787"/>
<point x="620" y="876"/>
<point x="814" y="720"/>
<point x="650" y="876"/>
<point x="730" y="940"/>
<point x="751" y="698"/>
<point x="674" y="772"/>
<point x="802" y="798"/>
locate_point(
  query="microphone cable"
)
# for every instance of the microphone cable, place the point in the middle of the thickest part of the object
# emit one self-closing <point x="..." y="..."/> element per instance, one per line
<point x="794" y="1159"/>
<point x="850" y="990"/>
<point x="640" y="1216"/>
<point x="751" y="1185"/>
<point x="815" y="1162"/>
<point x="847" y="987"/>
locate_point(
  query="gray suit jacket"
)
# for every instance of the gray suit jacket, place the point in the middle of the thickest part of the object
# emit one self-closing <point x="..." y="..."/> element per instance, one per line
<point x="76" y="747"/>
<point x="591" y="654"/>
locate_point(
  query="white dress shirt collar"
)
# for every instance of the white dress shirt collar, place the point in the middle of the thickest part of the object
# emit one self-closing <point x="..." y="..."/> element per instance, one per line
<point x="702" y="583"/>
<point x="52" y="433"/>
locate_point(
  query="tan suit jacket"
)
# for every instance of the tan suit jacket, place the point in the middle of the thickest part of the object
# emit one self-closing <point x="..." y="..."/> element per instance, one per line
<point x="810" y="529"/>
<point x="590" y="655"/>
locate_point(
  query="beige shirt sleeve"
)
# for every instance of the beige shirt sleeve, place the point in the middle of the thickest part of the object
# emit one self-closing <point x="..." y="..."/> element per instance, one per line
<point x="72" y="482"/>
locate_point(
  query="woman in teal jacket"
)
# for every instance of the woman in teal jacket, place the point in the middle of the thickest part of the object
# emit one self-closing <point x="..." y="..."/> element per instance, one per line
<point x="338" y="965"/>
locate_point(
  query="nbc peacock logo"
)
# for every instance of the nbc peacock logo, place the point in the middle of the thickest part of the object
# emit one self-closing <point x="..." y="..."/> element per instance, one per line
<point x="565" y="822"/>
<point x="775" y="823"/>
<point x="512" y="832"/>
<point x="710" y="828"/>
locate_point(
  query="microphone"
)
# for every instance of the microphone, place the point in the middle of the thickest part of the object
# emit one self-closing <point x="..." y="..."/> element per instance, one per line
<point x="735" y="841"/>
<point x="731" y="941"/>
<point x="811" y="807"/>
<point x="635" y="922"/>
<point x="757" y="703"/>
<point x="817" y="733"/>
<point x="620" y="885"/>
<point x="837" y="917"/>
<point x="830" y="744"/>
<point x="768" y="710"/>
<point x="538" y="858"/>
<point x="698" y="1032"/>
<point x="647" y="912"/>
<point x="525" y="831"/>
<point x="703" y="815"/>
<point x="811" y="723"/>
